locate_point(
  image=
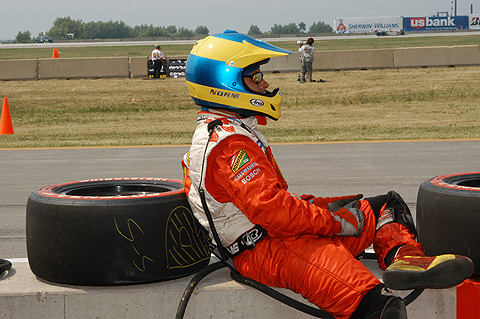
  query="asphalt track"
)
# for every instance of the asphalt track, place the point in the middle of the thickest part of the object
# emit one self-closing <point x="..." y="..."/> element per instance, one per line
<point x="326" y="169"/>
<point x="129" y="42"/>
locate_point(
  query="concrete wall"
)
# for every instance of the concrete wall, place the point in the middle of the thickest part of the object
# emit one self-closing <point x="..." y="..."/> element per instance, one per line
<point x="18" y="70"/>
<point x="354" y="59"/>
<point x="83" y="68"/>
<point x="23" y="295"/>
<point x="136" y="67"/>
<point x="436" y="56"/>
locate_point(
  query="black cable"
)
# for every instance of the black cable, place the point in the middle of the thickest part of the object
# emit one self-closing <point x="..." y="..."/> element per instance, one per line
<point x="193" y="283"/>
<point x="4" y="265"/>
<point x="221" y="250"/>
<point x="266" y="290"/>
<point x="412" y="296"/>
<point x="249" y="282"/>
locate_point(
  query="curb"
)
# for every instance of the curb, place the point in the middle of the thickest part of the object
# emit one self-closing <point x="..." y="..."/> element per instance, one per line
<point x="23" y="295"/>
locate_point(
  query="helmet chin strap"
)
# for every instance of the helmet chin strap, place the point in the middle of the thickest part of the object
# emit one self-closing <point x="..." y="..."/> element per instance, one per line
<point x="265" y="93"/>
<point x="271" y="94"/>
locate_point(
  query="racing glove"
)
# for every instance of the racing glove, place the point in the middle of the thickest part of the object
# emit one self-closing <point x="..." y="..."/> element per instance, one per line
<point x="336" y="202"/>
<point x="342" y="201"/>
<point x="349" y="219"/>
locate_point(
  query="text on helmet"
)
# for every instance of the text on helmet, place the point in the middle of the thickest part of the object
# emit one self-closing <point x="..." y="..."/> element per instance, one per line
<point x="224" y="94"/>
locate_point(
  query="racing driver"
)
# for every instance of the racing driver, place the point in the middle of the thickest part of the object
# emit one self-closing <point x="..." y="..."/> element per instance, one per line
<point x="304" y="243"/>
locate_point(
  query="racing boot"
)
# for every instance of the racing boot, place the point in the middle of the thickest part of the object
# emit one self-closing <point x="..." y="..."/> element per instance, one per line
<point x="380" y="303"/>
<point x="410" y="269"/>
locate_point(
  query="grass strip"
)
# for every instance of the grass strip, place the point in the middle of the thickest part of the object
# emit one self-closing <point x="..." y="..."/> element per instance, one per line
<point x="398" y="104"/>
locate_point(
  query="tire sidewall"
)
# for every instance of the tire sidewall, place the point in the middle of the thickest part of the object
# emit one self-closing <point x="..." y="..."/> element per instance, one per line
<point x="110" y="240"/>
<point x="448" y="216"/>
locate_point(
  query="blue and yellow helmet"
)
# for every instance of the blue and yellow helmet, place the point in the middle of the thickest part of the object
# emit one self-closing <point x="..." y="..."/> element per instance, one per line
<point x="215" y="69"/>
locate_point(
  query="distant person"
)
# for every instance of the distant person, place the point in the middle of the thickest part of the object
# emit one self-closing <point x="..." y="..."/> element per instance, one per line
<point x="306" y="58"/>
<point x="157" y="57"/>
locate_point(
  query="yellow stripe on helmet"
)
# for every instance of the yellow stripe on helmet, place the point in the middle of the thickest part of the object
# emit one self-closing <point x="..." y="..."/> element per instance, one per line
<point x="245" y="53"/>
<point x="245" y="101"/>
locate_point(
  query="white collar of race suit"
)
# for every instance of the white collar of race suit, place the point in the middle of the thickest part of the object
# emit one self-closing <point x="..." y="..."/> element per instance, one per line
<point x="250" y="121"/>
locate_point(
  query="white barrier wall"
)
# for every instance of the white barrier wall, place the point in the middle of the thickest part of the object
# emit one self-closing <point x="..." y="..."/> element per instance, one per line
<point x="83" y="68"/>
<point x="18" y="70"/>
<point x="354" y="59"/>
<point x="436" y="56"/>
<point x="136" y="67"/>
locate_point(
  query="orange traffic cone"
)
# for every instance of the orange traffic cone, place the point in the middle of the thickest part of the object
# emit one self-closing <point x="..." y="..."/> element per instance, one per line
<point x="6" y="126"/>
<point x="56" y="54"/>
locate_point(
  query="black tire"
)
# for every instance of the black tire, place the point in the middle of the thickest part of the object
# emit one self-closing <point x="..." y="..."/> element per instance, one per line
<point x="448" y="216"/>
<point x="113" y="231"/>
<point x="4" y="265"/>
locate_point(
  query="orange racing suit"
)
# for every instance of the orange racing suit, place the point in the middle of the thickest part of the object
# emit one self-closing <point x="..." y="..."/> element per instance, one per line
<point x="244" y="187"/>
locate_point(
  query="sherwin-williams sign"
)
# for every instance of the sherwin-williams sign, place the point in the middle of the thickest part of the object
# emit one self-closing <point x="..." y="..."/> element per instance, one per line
<point x="435" y="23"/>
<point x="367" y="24"/>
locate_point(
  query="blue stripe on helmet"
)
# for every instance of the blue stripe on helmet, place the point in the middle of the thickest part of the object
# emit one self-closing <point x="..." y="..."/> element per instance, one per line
<point x="219" y="75"/>
<point x="205" y="103"/>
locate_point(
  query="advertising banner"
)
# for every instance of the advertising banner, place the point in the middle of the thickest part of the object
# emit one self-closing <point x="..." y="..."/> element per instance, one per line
<point x="176" y="68"/>
<point x="474" y="21"/>
<point x="367" y="24"/>
<point x="435" y="23"/>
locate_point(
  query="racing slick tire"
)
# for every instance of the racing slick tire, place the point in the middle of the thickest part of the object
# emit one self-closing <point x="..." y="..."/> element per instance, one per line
<point x="448" y="216"/>
<point x="113" y="231"/>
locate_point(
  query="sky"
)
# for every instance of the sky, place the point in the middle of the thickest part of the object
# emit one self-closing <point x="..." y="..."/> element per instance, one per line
<point x="217" y="15"/>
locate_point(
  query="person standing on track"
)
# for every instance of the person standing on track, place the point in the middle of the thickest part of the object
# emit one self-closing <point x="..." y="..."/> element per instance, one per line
<point x="306" y="58"/>
<point x="157" y="58"/>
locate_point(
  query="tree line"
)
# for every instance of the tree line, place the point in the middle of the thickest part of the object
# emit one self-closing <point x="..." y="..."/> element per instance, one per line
<point x="109" y="30"/>
<point x="119" y="30"/>
<point x="293" y="28"/>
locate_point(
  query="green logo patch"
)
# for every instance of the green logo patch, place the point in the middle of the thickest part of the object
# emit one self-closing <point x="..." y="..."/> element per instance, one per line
<point x="239" y="160"/>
